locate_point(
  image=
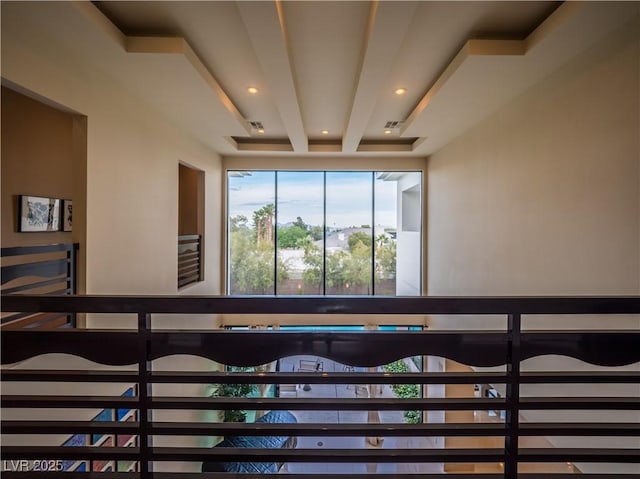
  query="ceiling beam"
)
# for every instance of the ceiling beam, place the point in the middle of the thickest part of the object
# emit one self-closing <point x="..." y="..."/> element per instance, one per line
<point x="471" y="48"/>
<point x="178" y="45"/>
<point x="267" y="31"/>
<point x="388" y="24"/>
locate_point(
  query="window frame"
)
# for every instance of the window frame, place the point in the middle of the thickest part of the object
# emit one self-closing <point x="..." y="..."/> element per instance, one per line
<point x="226" y="253"/>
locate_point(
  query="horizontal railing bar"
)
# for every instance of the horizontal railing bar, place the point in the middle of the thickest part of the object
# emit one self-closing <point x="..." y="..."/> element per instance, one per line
<point x="233" y="475"/>
<point x="35" y="284"/>
<point x="223" y="403"/>
<point x="69" y="427"/>
<point x="327" y="455"/>
<point x="584" y="377"/>
<point x="28" y="401"/>
<point x="328" y="404"/>
<point x="320" y="429"/>
<point x="421" y="475"/>
<point x="322" y="404"/>
<point x="254" y="429"/>
<point x="188" y="237"/>
<point x="579" y="455"/>
<point x="325" y="404"/>
<point x="324" y="305"/>
<point x="579" y="429"/>
<point x="47" y="268"/>
<point x="68" y="452"/>
<point x="205" y="377"/>
<point x="38" y="249"/>
<point x="69" y="375"/>
<point x="549" y="403"/>
<point x="327" y="378"/>
<point x="223" y="454"/>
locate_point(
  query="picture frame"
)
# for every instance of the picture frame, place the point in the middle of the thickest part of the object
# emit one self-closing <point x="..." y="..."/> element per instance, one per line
<point x="38" y="214"/>
<point x="66" y="215"/>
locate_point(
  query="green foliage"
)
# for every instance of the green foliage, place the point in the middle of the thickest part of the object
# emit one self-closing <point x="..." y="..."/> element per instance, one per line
<point x="386" y="251"/>
<point x="291" y="236"/>
<point x="405" y="391"/>
<point x="359" y="237"/>
<point x="312" y="275"/>
<point x="316" y="232"/>
<point x="263" y="223"/>
<point x="236" y="391"/>
<point x="251" y="261"/>
<point x="300" y="224"/>
<point x="251" y="257"/>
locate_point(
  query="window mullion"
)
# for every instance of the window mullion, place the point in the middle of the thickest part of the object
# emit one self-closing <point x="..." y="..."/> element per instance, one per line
<point x="275" y="235"/>
<point x="373" y="233"/>
<point x="324" y="235"/>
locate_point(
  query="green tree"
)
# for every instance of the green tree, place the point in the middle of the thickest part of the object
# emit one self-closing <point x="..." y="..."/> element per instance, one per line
<point x="359" y="237"/>
<point x="235" y="391"/>
<point x="251" y="256"/>
<point x="312" y="274"/>
<point x="386" y="250"/>
<point x="238" y="222"/>
<point x="291" y="236"/>
<point x="300" y="224"/>
<point x="263" y="223"/>
<point x="357" y="265"/>
<point x="316" y="232"/>
<point x="405" y="391"/>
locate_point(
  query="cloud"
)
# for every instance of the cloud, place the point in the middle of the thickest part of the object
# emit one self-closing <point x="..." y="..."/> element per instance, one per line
<point x="348" y="200"/>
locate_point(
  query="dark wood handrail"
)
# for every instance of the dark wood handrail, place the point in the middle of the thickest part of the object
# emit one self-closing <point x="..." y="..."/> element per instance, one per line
<point x="325" y="304"/>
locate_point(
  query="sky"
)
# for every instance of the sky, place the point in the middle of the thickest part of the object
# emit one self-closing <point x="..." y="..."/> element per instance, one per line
<point x="301" y="194"/>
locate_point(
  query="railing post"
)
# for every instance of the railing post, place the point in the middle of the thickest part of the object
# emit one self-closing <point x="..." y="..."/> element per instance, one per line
<point x="72" y="277"/>
<point x="144" y="395"/>
<point x="512" y="424"/>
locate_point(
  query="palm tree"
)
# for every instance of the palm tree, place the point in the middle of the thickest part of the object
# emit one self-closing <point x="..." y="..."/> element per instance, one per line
<point x="263" y="221"/>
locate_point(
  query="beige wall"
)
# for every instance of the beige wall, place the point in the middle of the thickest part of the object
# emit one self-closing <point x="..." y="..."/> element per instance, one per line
<point x="132" y="170"/>
<point x="37" y="154"/>
<point x="132" y="158"/>
<point x="543" y="197"/>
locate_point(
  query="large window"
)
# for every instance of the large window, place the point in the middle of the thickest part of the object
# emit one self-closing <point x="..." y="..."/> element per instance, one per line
<point x="316" y="232"/>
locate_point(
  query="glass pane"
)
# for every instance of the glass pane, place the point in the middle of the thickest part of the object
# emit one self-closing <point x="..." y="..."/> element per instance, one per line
<point x="398" y="220"/>
<point x="251" y="210"/>
<point x="300" y="232"/>
<point x="349" y="232"/>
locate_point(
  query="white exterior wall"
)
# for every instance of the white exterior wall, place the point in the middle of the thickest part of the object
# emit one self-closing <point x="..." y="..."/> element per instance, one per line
<point x="409" y="236"/>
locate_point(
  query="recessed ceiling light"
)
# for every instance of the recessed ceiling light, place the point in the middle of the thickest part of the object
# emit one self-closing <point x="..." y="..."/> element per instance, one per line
<point x="325" y="132"/>
<point x="261" y="131"/>
<point x="387" y="132"/>
<point x="400" y="91"/>
<point x="253" y="90"/>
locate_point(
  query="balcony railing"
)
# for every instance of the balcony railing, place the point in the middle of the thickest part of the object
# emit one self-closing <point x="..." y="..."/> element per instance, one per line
<point x="46" y="269"/>
<point x="478" y="348"/>
<point x="189" y="260"/>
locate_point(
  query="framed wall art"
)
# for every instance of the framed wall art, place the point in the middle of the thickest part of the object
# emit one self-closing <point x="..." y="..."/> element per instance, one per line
<point x="36" y="214"/>
<point x="67" y="210"/>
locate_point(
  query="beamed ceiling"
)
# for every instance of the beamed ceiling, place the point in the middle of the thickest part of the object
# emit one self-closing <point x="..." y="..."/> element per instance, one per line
<point x="326" y="65"/>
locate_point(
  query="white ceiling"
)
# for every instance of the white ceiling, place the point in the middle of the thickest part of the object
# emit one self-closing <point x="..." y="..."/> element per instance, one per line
<point x="325" y="65"/>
